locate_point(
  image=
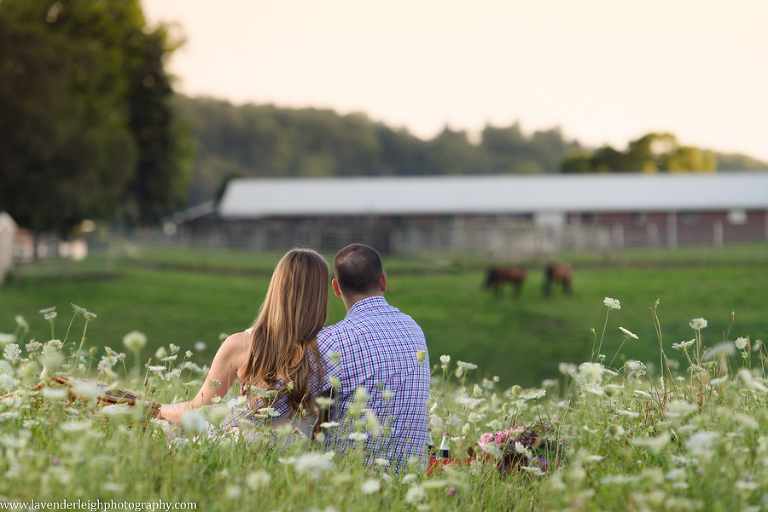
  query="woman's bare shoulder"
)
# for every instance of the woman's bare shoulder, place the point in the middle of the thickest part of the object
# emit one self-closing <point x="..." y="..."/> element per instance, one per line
<point x="235" y="348"/>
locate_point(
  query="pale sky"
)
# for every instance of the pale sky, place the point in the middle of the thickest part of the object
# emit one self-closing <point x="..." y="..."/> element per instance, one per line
<point x="604" y="71"/>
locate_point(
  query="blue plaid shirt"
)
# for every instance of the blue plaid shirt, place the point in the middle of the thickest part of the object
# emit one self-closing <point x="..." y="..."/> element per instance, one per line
<point x="375" y="348"/>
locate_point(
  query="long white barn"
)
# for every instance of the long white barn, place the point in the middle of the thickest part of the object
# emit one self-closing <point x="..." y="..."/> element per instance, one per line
<point x="508" y="214"/>
<point x="450" y="195"/>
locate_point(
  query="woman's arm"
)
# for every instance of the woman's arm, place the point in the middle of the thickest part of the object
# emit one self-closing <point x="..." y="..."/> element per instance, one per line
<point x="230" y="357"/>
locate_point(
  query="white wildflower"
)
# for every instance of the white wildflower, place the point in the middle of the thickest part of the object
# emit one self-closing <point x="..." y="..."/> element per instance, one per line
<point x="750" y="381"/>
<point x="161" y="353"/>
<point x="7" y="382"/>
<point x="746" y="421"/>
<point x="7" y="338"/>
<point x="21" y="322"/>
<point x="533" y="394"/>
<point x="590" y="373"/>
<point x="654" y="444"/>
<point x="719" y="351"/>
<point x="747" y="485"/>
<point x="238" y="401"/>
<point x="358" y="437"/>
<point x="494" y="425"/>
<point x="719" y="380"/>
<point x="701" y="444"/>
<point x="313" y="464"/>
<point x="470" y="403"/>
<point x="200" y="346"/>
<point x="612" y="303"/>
<point x="415" y="494"/>
<point x="116" y="411"/>
<point x="683" y="344"/>
<point x="628" y="333"/>
<point x="75" y="426"/>
<point x="535" y="471"/>
<point x="53" y="345"/>
<point x="444" y="360"/>
<point x="33" y="346"/>
<point x="12" y="351"/>
<point x="741" y="343"/>
<point x="466" y="366"/>
<point x="258" y="479"/>
<point x="54" y="394"/>
<point x="361" y="395"/>
<point x="370" y="486"/>
<point x="698" y="324"/>
<point x="174" y="348"/>
<point x="269" y="411"/>
<point x="680" y="409"/>
<point x="194" y="422"/>
<point x="104" y="365"/>
<point x="87" y="388"/>
<point x="135" y="341"/>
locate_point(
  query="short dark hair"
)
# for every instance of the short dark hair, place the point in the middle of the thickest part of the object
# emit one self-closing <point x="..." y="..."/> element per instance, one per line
<point x="358" y="270"/>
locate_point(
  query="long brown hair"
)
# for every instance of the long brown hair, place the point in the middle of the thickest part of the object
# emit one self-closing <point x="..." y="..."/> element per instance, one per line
<point x="284" y="336"/>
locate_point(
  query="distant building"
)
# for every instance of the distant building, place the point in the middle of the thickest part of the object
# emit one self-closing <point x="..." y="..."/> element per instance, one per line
<point x="509" y="215"/>
<point x="7" y="236"/>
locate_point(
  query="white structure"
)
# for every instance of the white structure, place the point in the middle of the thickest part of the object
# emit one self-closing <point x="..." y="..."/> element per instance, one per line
<point x="7" y="237"/>
<point x="500" y="213"/>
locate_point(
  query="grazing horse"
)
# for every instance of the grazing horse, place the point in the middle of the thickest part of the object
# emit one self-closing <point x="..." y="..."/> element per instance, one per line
<point x="558" y="273"/>
<point x="497" y="276"/>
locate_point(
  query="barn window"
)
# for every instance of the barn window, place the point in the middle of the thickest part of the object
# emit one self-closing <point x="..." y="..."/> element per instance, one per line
<point x="689" y="217"/>
<point x="737" y="217"/>
<point x="640" y="218"/>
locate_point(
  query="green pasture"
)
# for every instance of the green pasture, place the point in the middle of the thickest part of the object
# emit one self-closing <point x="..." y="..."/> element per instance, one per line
<point x="185" y="296"/>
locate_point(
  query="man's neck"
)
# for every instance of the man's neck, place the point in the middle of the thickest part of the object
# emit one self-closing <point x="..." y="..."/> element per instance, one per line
<point x="351" y="301"/>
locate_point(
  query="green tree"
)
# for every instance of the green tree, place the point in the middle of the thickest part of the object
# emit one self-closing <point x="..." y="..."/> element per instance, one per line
<point x="65" y="152"/>
<point x="127" y="88"/>
<point x="653" y="152"/>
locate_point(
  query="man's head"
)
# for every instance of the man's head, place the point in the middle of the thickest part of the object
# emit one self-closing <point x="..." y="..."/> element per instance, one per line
<point x="358" y="273"/>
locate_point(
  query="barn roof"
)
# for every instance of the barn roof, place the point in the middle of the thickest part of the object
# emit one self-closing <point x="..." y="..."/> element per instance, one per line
<point x="438" y="195"/>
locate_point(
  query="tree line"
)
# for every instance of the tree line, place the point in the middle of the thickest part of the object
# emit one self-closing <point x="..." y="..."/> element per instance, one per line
<point x="90" y="127"/>
<point x="268" y="141"/>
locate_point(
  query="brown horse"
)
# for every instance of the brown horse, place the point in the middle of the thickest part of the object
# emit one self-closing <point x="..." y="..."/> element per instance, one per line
<point x="559" y="273"/>
<point x="498" y="276"/>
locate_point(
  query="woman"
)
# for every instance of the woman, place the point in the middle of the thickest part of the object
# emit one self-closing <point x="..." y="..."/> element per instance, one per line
<point x="279" y="352"/>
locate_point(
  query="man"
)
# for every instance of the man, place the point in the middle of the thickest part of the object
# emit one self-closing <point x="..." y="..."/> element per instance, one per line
<point x="378" y="369"/>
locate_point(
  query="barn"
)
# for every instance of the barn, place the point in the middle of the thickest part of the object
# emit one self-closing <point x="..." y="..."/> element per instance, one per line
<point x="504" y="215"/>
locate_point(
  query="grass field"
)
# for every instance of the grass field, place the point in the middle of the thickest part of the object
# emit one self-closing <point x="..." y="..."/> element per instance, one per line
<point x="183" y="297"/>
<point x="616" y="437"/>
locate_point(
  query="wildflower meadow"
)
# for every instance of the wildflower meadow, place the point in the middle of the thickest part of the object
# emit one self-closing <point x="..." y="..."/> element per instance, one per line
<point x="599" y="436"/>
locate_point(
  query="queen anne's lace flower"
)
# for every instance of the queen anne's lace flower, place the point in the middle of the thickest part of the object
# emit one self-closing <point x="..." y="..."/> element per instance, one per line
<point x="698" y="324"/>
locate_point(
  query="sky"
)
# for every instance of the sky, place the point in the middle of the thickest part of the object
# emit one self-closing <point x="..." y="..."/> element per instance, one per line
<point x="604" y="71"/>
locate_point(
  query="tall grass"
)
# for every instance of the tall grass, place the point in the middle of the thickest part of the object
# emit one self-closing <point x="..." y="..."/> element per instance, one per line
<point x="692" y="438"/>
<point x="184" y="297"/>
